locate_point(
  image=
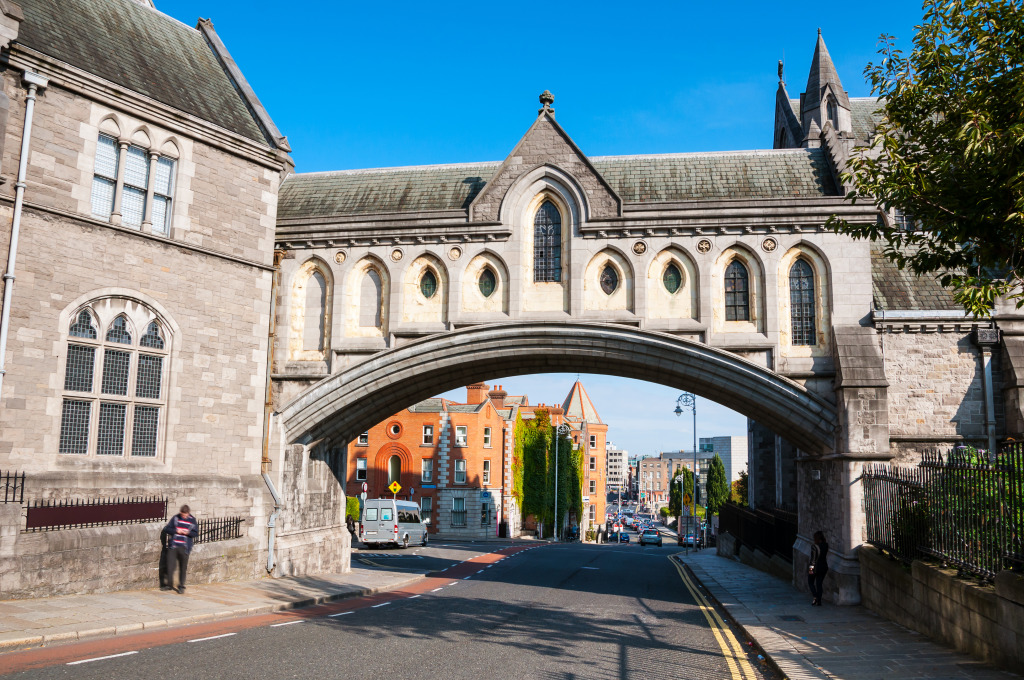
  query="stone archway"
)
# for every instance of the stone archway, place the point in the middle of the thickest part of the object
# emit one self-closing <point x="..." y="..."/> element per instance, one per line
<point x="347" y="403"/>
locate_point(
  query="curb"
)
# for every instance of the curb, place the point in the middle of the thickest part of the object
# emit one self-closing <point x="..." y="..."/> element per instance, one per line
<point x="243" y="610"/>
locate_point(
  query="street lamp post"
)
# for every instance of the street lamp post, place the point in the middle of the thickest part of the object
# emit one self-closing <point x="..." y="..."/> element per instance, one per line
<point x="688" y="400"/>
<point x="561" y="431"/>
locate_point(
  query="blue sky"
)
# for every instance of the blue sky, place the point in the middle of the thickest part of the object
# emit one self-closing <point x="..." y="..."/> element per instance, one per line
<point x="359" y="85"/>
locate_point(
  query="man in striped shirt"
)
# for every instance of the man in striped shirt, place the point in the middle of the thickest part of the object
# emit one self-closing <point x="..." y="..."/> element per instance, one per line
<point x="182" y="530"/>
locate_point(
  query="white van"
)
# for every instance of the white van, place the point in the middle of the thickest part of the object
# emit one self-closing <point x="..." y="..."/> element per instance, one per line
<point x="390" y="521"/>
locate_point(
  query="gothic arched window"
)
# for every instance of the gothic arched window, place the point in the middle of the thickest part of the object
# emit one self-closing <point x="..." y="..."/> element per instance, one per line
<point x="313" y="312"/>
<point x="428" y="284"/>
<point x="672" y="278"/>
<point x="487" y="282"/>
<point x="394" y="469"/>
<point x="547" y="244"/>
<point x="737" y="295"/>
<point x="120" y="412"/>
<point x="801" y="303"/>
<point x="609" y="279"/>
<point x="831" y="110"/>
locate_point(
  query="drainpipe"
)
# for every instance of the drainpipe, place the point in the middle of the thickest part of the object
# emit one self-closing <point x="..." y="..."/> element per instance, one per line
<point x="35" y="82"/>
<point x="987" y="339"/>
<point x="268" y="413"/>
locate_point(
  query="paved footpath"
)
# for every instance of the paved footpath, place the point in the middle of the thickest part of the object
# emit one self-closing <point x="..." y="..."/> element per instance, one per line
<point x="851" y="643"/>
<point x="29" y="623"/>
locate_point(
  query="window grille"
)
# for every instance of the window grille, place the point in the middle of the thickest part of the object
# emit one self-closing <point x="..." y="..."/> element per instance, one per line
<point x="116" y="366"/>
<point x="801" y="303"/>
<point x="90" y="425"/>
<point x="74" y="426"/>
<point x="104" y="177"/>
<point x="110" y="435"/>
<point x="144" y="431"/>
<point x="458" y="512"/>
<point x="737" y="300"/>
<point x="672" y="278"/>
<point x="609" y="279"/>
<point x="487" y="282"/>
<point x="547" y="244"/>
<point x="78" y="374"/>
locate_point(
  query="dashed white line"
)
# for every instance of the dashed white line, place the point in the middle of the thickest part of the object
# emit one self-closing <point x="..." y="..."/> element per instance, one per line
<point x="286" y="623"/>
<point x="100" y="658"/>
<point x="437" y="589"/>
<point x="212" y="637"/>
<point x="331" y="616"/>
<point x="454" y="583"/>
<point x="413" y="597"/>
<point x="382" y="604"/>
<point x="480" y="572"/>
<point x="467" y="578"/>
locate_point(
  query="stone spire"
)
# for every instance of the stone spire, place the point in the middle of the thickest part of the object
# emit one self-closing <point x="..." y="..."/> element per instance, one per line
<point x="823" y="86"/>
<point x="577" y="405"/>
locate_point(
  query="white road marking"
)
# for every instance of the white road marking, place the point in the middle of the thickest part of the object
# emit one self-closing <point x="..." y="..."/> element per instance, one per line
<point x="413" y="597"/>
<point x="467" y="578"/>
<point x="454" y="583"/>
<point x="590" y="567"/>
<point x="480" y="572"/>
<point x="212" y="637"/>
<point x="382" y="604"/>
<point x="286" y="623"/>
<point x="100" y="658"/>
<point x="437" y="589"/>
<point x="331" y="616"/>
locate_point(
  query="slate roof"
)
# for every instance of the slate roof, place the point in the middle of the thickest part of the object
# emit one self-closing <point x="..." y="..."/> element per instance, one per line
<point x="865" y="114"/>
<point x="577" y="405"/>
<point x="141" y="49"/>
<point x="655" y="178"/>
<point x="896" y="289"/>
<point x="428" y="406"/>
<point x="466" y="408"/>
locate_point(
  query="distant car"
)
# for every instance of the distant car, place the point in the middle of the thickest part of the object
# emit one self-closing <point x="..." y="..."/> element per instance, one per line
<point x="650" y="537"/>
<point x="689" y="539"/>
<point x="620" y="537"/>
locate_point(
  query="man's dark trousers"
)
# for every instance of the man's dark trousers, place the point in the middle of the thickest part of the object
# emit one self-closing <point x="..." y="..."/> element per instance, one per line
<point x="177" y="556"/>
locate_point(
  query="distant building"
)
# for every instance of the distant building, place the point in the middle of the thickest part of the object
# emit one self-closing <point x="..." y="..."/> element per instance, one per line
<point x="616" y="466"/>
<point x="732" y="451"/>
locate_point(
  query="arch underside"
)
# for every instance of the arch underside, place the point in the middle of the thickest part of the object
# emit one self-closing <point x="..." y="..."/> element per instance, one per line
<point x="345" y="404"/>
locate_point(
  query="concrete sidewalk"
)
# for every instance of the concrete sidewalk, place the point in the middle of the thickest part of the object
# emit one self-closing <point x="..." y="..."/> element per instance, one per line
<point x="27" y="623"/>
<point x="832" y="642"/>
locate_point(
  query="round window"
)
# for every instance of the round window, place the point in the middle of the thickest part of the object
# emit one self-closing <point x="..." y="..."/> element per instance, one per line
<point x="428" y="284"/>
<point x="672" y="278"/>
<point x="609" y="279"/>
<point x="487" y="282"/>
<point x="394" y="429"/>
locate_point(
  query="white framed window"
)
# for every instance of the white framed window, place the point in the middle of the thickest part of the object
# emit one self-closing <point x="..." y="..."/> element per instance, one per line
<point x="485" y="514"/>
<point x="426" y="506"/>
<point x="427" y="471"/>
<point x="593" y="514"/>
<point x="360" y="469"/>
<point x="593" y="441"/>
<point x="364" y="439"/>
<point x="460" y="472"/>
<point x="132" y="185"/>
<point x="593" y="463"/>
<point x="458" y="512"/>
<point x="487" y="472"/>
<point x="428" y="435"/>
<point x="593" y="486"/>
<point x="114" y="387"/>
<point x="487" y="437"/>
<point x="461" y="435"/>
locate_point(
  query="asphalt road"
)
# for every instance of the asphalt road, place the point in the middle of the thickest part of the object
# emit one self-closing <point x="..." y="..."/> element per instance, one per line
<point x="552" y="611"/>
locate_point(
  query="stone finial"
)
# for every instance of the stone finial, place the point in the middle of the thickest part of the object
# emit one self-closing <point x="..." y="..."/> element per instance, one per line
<point x="781" y="81"/>
<point x="546" y="100"/>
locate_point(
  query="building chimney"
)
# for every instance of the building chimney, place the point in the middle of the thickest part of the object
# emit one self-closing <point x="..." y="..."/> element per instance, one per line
<point x="476" y="393"/>
<point x="497" y="396"/>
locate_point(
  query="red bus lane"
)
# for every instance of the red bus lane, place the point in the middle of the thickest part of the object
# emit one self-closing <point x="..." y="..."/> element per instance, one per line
<point x="41" y="657"/>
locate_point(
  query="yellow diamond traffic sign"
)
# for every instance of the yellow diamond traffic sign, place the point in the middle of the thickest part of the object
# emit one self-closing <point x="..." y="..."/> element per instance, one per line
<point x="395" y="487"/>
<point x="687" y="500"/>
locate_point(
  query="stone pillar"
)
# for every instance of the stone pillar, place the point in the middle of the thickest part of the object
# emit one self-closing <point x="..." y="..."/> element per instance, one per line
<point x="760" y="466"/>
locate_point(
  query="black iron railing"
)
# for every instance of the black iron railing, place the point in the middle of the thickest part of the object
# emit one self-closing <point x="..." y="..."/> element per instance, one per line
<point x="78" y="513"/>
<point x="12" y="487"/>
<point x="965" y="509"/>
<point x="220" y="529"/>
<point x="773" y="532"/>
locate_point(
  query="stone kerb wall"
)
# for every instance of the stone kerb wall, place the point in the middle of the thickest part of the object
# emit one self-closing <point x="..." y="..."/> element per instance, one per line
<point x="105" y="559"/>
<point x="984" y="621"/>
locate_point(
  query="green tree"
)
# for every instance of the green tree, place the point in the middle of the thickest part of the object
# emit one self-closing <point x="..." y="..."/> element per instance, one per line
<point x="949" y="152"/>
<point x="739" y="489"/>
<point x="352" y="508"/>
<point x="674" y="499"/>
<point x="718" y="485"/>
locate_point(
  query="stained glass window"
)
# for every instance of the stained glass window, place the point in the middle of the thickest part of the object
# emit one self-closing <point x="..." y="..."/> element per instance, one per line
<point x="609" y="279"/>
<point x="737" y="297"/>
<point x="801" y="303"/>
<point x="487" y="282"/>
<point x="672" y="278"/>
<point x="428" y="284"/>
<point x="547" y="244"/>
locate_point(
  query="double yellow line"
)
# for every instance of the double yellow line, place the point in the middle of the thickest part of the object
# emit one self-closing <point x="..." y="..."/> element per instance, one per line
<point x="735" y="657"/>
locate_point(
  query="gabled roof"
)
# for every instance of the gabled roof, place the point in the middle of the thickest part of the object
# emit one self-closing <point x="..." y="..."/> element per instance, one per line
<point x="143" y="50"/>
<point x="577" y="405"/>
<point x="467" y="408"/>
<point x="782" y="173"/>
<point x="428" y="406"/>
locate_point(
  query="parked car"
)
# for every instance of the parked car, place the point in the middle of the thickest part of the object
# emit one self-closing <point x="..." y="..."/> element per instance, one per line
<point x="650" y="537"/>
<point x="620" y="537"/>
<point x="689" y="539"/>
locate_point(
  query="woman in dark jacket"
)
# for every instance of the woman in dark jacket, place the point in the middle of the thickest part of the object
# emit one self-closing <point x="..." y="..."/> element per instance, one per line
<point x="818" y="567"/>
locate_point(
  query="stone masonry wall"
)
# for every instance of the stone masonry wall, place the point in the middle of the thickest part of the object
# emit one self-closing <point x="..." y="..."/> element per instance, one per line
<point x="985" y="621"/>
